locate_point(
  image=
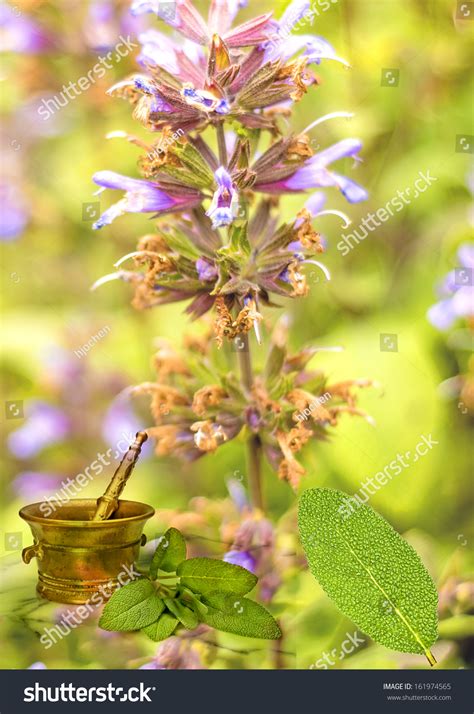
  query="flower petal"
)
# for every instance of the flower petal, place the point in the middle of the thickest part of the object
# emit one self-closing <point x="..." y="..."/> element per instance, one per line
<point x="466" y="255"/>
<point x="318" y="49"/>
<point x="141" y="196"/>
<point x="295" y="11"/>
<point x="315" y="202"/>
<point x="441" y="315"/>
<point x="253" y="32"/>
<point x="352" y="191"/>
<point x="222" y="14"/>
<point x="344" y="148"/>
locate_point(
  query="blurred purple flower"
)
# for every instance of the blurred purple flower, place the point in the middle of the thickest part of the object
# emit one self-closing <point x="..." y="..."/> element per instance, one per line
<point x="459" y="302"/>
<point x="44" y="426"/>
<point x="105" y="23"/>
<point x="242" y="558"/>
<point x="32" y="486"/>
<point x="19" y="33"/>
<point x="62" y="367"/>
<point x="14" y="214"/>
<point x="37" y="665"/>
<point x="174" y="653"/>
<point x="120" y="423"/>
<point x="238" y="493"/>
<point x="101" y="27"/>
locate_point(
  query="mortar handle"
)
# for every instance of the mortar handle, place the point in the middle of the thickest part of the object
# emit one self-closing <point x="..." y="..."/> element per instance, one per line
<point x="32" y="551"/>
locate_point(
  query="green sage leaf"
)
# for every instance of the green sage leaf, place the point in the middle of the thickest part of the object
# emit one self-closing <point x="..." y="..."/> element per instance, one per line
<point x="371" y="573"/>
<point x="240" y="616"/>
<point x="181" y="244"/>
<point x="185" y="615"/>
<point x="195" y="603"/>
<point x="206" y="575"/>
<point x="169" y="553"/>
<point x="162" y="628"/>
<point x="132" y="607"/>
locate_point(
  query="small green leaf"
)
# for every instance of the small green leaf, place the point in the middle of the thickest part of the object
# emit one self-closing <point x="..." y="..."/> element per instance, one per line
<point x="175" y="552"/>
<point x="185" y="615"/>
<point x="196" y="604"/>
<point x="162" y="628"/>
<point x="240" y="616"/>
<point x="196" y="164"/>
<point x="206" y="575"/>
<point x="132" y="607"/>
<point x="373" y="575"/>
<point x="181" y="244"/>
<point x="169" y="553"/>
<point x="238" y="239"/>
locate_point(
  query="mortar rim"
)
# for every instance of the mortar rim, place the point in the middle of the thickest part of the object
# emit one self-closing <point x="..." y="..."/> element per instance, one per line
<point x="28" y="517"/>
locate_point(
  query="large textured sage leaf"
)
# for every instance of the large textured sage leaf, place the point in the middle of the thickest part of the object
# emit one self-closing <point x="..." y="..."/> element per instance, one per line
<point x="132" y="607"/>
<point x="206" y="575"/>
<point x="239" y="616"/>
<point x="372" y="574"/>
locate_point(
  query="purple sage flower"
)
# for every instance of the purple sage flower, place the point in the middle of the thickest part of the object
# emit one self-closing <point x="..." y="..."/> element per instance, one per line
<point x="141" y="196"/>
<point x="457" y="291"/>
<point x="315" y="174"/>
<point x="225" y="203"/>
<point x="242" y="558"/>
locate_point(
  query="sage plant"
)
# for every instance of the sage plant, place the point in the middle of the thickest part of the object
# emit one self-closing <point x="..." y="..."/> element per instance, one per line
<point x="217" y="101"/>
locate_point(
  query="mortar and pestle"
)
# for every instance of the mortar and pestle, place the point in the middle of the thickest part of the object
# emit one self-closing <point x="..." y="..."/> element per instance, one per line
<point x="86" y="544"/>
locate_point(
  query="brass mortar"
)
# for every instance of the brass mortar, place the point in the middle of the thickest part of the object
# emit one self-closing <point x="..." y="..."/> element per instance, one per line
<point x="77" y="555"/>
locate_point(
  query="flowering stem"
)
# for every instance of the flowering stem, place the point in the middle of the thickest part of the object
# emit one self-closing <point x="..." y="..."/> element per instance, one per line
<point x="254" y="446"/>
<point x="221" y="144"/>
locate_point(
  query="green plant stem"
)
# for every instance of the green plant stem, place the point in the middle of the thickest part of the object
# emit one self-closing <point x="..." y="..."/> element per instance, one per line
<point x="221" y="144"/>
<point x="430" y="657"/>
<point x="254" y="446"/>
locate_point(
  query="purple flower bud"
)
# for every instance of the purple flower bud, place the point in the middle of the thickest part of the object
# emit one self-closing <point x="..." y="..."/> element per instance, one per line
<point x="207" y="271"/>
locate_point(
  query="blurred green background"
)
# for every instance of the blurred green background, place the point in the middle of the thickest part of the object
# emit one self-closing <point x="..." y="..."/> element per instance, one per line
<point x="384" y="286"/>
